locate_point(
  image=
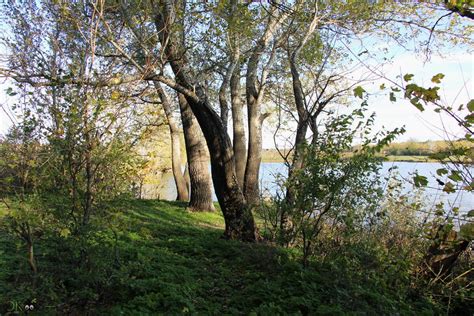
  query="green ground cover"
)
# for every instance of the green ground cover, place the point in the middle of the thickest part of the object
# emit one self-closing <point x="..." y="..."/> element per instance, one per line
<point x="165" y="260"/>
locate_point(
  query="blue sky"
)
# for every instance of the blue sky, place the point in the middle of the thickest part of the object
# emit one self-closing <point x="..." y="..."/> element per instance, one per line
<point x="457" y="88"/>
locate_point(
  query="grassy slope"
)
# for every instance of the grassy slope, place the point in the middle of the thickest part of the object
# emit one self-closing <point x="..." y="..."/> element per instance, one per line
<point x="172" y="261"/>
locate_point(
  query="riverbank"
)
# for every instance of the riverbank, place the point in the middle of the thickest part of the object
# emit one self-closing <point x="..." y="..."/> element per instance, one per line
<point x="409" y="159"/>
<point x="270" y="155"/>
<point x="155" y="257"/>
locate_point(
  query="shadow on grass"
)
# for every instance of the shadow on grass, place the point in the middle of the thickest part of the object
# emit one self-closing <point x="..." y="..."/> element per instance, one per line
<point x="163" y="259"/>
<point x="179" y="264"/>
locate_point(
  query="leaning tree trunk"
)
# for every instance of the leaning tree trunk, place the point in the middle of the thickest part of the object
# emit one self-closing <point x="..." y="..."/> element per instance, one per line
<point x="239" y="222"/>
<point x="301" y="129"/>
<point x="198" y="159"/>
<point x="303" y="120"/>
<point x="179" y="180"/>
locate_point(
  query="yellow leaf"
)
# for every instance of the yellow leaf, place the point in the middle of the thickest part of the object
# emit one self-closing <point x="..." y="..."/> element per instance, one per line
<point x="115" y="95"/>
<point x="65" y="232"/>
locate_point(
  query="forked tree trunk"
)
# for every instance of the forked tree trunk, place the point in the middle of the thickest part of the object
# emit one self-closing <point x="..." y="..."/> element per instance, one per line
<point x="254" y="88"/>
<point x="198" y="160"/>
<point x="239" y="222"/>
<point x="240" y="146"/>
<point x="304" y="120"/>
<point x="179" y="180"/>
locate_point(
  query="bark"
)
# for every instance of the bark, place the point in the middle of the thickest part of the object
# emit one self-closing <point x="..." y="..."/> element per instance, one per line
<point x="24" y="230"/>
<point x="240" y="147"/>
<point x="223" y="100"/>
<point x="302" y="127"/>
<point x="239" y="222"/>
<point x="179" y="180"/>
<point x="254" y="96"/>
<point x="228" y="74"/>
<point x="186" y="177"/>
<point x="303" y="119"/>
<point x="297" y="162"/>
<point x="462" y="10"/>
<point x="198" y="158"/>
<point x="299" y="96"/>
<point x="31" y="258"/>
<point x="254" y="158"/>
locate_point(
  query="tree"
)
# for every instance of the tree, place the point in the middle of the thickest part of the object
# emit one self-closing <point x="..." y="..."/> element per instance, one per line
<point x="179" y="180"/>
<point x="143" y="63"/>
<point x="238" y="217"/>
<point x="198" y="157"/>
<point x="86" y="124"/>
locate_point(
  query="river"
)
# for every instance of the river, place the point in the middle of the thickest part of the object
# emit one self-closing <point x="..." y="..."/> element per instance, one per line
<point x="270" y="171"/>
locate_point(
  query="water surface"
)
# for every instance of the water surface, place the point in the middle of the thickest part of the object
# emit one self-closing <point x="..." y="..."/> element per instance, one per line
<point x="270" y="172"/>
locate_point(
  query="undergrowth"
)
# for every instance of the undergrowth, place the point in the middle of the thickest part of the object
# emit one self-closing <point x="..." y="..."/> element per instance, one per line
<point x="154" y="257"/>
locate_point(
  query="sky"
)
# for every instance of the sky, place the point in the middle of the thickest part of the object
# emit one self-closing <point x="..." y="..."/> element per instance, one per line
<point x="457" y="88"/>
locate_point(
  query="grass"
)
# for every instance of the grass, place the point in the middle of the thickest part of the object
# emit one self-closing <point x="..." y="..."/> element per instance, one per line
<point x="164" y="260"/>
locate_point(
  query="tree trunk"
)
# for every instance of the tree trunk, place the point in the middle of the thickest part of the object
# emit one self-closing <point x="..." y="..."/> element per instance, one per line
<point x="179" y="180"/>
<point x="302" y="127"/>
<point x="254" y="158"/>
<point x="223" y="102"/>
<point x="254" y="94"/>
<point x="303" y="120"/>
<point x="198" y="160"/>
<point x="186" y="177"/>
<point x="31" y="258"/>
<point x="240" y="147"/>
<point x="239" y="222"/>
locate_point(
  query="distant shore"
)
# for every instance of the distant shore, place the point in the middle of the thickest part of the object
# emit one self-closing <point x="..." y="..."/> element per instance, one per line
<point x="270" y="155"/>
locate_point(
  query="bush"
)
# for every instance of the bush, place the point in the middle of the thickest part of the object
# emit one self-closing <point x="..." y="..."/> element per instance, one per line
<point x="333" y="191"/>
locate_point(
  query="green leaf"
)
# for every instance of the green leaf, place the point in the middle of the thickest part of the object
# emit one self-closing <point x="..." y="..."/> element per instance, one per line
<point x="470" y="118"/>
<point x="431" y="94"/>
<point x="437" y="78"/>
<point x="417" y="104"/>
<point x="359" y="91"/>
<point x="449" y="188"/>
<point x="408" y="77"/>
<point x="420" y="181"/>
<point x="470" y="213"/>
<point x="10" y="92"/>
<point x="382" y="86"/>
<point x="392" y="97"/>
<point x="470" y="106"/>
<point x="441" y="171"/>
<point x="467" y="231"/>
<point x="455" y="176"/>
